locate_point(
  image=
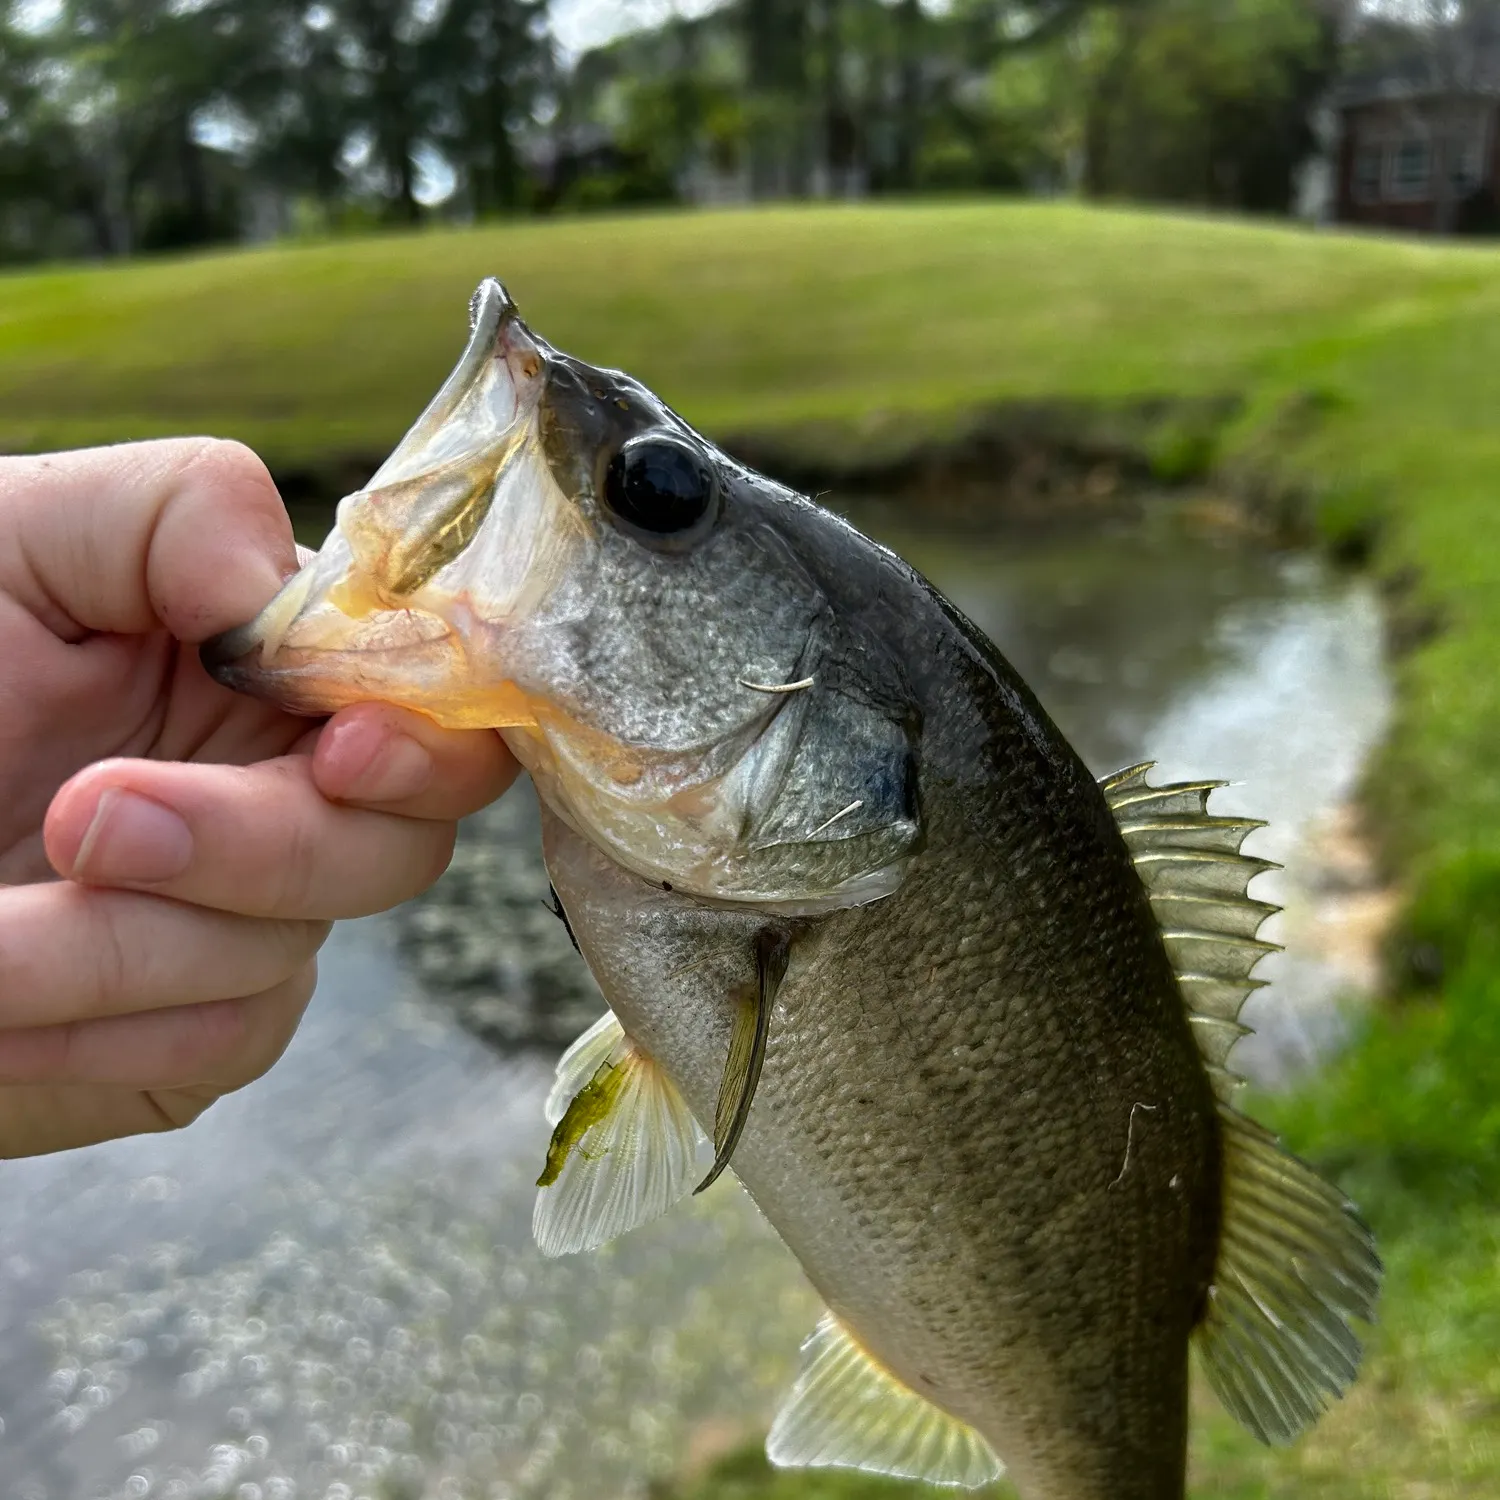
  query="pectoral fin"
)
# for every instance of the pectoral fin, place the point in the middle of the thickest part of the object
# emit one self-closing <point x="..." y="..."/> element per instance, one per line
<point x="847" y="1411"/>
<point x="624" y="1148"/>
<point x="747" y="1049"/>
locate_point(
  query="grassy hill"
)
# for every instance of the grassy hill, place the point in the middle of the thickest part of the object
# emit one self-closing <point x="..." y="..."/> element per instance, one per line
<point x="1367" y="374"/>
<point x="744" y="320"/>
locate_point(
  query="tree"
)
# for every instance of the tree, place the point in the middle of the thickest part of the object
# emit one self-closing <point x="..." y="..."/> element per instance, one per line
<point x="1208" y="101"/>
<point x="484" y="68"/>
<point x="134" y="79"/>
<point x="299" y="97"/>
<point x="776" y="55"/>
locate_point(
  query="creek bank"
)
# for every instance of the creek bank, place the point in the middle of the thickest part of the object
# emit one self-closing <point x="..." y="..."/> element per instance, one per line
<point x="1038" y="466"/>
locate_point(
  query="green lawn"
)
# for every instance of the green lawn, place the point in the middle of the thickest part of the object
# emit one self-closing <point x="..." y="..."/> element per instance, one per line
<point x="1369" y="373"/>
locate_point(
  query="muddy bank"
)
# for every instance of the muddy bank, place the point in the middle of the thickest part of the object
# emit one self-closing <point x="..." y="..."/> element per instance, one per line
<point x="1036" y="466"/>
<point x="1039" y="465"/>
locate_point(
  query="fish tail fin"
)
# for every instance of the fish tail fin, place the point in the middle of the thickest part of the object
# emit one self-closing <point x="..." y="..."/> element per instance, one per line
<point x="848" y="1411"/>
<point x="1296" y="1267"/>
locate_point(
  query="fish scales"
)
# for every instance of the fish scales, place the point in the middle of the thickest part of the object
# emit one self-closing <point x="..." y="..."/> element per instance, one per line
<point x="987" y="1082"/>
<point x="868" y="929"/>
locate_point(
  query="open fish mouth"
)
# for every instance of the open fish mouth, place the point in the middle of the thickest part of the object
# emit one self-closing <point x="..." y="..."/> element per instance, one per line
<point x="453" y="541"/>
<point x="554" y="553"/>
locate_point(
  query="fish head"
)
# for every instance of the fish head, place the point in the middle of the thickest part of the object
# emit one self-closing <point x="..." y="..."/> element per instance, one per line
<point x="552" y="552"/>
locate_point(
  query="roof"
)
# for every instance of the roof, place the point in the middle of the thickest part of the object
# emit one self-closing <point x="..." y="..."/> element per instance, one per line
<point x="1457" y="64"/>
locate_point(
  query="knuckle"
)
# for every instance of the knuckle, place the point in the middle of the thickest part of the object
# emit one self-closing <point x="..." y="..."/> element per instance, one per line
<point x="203" y="1040"/>
<point x="270" y="1022"/>
<point x="289" y="944"/>
<point x="176" y="1109"/>
<point x="294" y="872"/>
<point x="111" y="974"/>
<point x="440" y="845"/>
<point x="224" y="459"/>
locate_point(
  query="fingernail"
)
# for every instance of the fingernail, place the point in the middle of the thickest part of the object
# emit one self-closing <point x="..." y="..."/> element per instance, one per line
<point x="133" y="840"/>
<point x="401" y="769"/>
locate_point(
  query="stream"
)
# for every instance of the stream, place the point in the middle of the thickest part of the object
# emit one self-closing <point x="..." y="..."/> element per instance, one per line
<point x="326" y="1290"/>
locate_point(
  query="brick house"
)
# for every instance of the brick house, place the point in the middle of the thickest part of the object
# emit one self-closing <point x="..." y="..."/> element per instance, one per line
<point x="1421" y="152"/>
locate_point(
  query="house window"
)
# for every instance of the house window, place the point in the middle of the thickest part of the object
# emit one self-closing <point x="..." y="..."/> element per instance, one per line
<point x="1411" y="169"/>
<point x="1465" y="160"/>
<point x="1368" y="162"/>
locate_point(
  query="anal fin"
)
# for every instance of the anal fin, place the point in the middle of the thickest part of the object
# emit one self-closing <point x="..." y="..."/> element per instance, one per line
<point x="847" y="1411"/>
<point x="1296" y="1265"/>
<point x="624" y="1148"/>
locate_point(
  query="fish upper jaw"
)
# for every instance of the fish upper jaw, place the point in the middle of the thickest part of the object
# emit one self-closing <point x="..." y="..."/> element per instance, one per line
<point x="458" y="534"/>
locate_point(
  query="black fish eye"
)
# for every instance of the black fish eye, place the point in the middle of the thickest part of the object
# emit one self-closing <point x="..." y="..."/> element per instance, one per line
<point x="660" y="485"/>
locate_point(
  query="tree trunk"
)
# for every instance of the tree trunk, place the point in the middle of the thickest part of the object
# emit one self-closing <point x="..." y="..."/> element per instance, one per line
<point x="909" y="36"/>
<point x="1099" y="110"/>
<point x="504" y="167"/>
<point x="839" y="140"/>
<point x="759" y="18"/>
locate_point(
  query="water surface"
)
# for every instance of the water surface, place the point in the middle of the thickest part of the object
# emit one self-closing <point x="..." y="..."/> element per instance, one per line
<point x="326" y="1290"/>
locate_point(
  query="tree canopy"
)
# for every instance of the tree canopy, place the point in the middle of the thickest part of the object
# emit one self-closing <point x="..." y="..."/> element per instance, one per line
<point x="133" y="125"/>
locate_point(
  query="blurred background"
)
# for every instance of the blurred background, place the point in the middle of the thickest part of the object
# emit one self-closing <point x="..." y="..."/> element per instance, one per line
<point x="139" y="125"/>
<point x="1161" y="334"/>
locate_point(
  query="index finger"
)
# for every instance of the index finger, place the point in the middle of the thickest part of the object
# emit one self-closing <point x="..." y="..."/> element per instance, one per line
<point x="185" y="533"/>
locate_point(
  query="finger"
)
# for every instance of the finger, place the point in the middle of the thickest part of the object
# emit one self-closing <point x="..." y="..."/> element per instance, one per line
<point x="260" y="840"/>
<point x="377" y="755"/>
<point x="70" y="953"/>
<point x="188" y="533"/>
<point x="220" y="1045"/>
<point x="38" y="1119"/>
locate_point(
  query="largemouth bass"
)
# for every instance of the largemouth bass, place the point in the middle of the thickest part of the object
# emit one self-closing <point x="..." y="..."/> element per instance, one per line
<point x="957" y="1014"/>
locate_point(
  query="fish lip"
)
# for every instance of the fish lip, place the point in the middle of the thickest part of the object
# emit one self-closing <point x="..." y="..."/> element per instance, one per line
<point x="249" y="656"/>
<point x="223" y="654"/>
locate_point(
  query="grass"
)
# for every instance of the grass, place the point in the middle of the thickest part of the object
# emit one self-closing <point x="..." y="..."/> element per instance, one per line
<point x="746" y="321"/>
<point x="1368" y="373"/>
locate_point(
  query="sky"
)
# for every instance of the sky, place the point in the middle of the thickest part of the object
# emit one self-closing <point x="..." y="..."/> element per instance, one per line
<point x="578" y="24"/>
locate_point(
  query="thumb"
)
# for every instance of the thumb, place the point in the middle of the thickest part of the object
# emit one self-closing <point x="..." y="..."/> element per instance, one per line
<point x="186" y="533"/>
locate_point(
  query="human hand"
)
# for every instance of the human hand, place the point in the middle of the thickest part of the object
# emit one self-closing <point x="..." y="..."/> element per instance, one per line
<point x="207" y="840"/>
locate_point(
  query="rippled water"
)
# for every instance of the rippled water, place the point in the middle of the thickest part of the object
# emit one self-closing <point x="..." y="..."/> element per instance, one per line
<point x="326" y="1287"/>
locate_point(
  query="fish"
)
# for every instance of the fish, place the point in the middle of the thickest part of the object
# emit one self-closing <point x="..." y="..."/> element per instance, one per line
<point x="956" y="1014"/>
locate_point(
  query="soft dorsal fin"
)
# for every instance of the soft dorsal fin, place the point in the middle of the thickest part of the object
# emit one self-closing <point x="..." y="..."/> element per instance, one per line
<point x="624" y="1148"/>
<point x="847" y="1411"/>
<point x="1296" y="1265"/>
<point x="1191" y="865"/>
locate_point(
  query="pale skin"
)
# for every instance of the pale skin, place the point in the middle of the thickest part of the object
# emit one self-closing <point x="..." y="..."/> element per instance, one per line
<point x="172" y="854"/>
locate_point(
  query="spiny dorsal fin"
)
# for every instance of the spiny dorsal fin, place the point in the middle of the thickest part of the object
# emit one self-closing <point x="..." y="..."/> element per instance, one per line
<point x="847" y="1411"/>
<point x="1192" y="868"/>
<point x="624" y="1148"/>
<point x="1296" y="1265"/>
